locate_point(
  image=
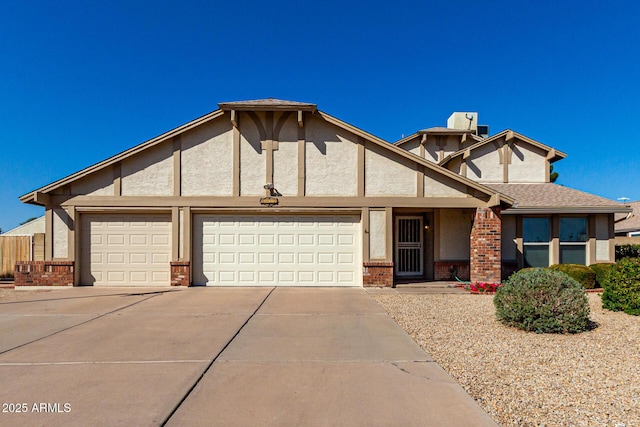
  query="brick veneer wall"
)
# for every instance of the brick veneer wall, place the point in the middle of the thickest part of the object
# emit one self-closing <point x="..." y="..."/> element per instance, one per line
<point x="377" y="273"/>
<point x="44" y="273"/>
<point x="485" y="243"/>
<point x="180" y="271"/>
<point x="442" y="270"/>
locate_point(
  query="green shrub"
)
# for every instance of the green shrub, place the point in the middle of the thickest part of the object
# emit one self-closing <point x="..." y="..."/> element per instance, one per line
<point x="580" y="273"/>
<point x="543" y="301"/>
<point x="627" y="251"/>
<point x="622" y="290"/>
<point x="602" y="271"/>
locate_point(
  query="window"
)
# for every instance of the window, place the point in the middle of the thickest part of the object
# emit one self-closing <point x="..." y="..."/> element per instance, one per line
<point x="573" y="240"/>
<point x="535" y="236"/>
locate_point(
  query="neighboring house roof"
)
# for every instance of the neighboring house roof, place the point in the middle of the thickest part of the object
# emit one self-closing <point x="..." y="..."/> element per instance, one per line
<point x="270" y="104"/>
<point x="552" y="154"/>
<point x="28" y="228"/>
<point x="553" y="198"/>
<point x="628" y="222"/>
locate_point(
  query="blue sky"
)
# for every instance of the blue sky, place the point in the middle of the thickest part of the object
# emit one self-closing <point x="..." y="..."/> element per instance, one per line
<point x="83" y="80"/>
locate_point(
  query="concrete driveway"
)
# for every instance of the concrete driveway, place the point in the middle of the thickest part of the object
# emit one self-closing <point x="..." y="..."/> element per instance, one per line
<point x="218" y="356"/>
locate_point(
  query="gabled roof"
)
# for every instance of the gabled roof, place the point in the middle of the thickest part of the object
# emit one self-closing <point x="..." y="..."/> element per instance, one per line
<point x="552" y="153"/>
<point x="438" y="131"/>
<point x="553" y="198"/>
<point x="630" y="221"/>
<point x="270" y="104"/>
<point x="420" y="160"/>
<point x="30" y="196"/>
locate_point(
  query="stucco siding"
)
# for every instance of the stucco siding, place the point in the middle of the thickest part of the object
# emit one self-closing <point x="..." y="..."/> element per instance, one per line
<point x="377" y="234"/>
<point x="60" y="234"/>
<point x="527" y="164"/>
<point x="99" y="183"/>
<point x="388" y="174"/>
<point x="285" y="159"/>
<point x="149" y="173"/>
<point x="509" y="247"/>
<point x="412" y="146"/>
<point x="252" y="161"/>
<point x="436" y="185"/>
<point x="602" y="238"/>
<point x="483" y="164"/>
<point x="207" y="160"/>
<point x="331" y="160"/>
<point x="455" y="229"/>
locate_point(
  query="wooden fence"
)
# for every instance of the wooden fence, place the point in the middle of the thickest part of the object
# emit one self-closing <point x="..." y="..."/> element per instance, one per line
<point x="12" y="249"/>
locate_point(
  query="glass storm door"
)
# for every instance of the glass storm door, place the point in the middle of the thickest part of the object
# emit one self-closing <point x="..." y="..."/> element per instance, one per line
<point x="409" y="248"/>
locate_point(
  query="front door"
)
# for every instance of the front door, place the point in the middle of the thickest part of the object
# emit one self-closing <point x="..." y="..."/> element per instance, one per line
<point x="409" y="258"/>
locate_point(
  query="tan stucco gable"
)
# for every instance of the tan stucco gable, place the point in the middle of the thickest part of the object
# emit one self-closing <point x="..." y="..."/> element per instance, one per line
<point x="267" y="136"/>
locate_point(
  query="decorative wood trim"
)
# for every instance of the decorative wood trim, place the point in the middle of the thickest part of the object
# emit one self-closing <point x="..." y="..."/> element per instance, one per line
<point x="366" y="243"/>
<point x="285" y="202"/>
<point x="300" y="118"/>
<point x="256" y="120"/>
<point x="360" y="174"/>
<point x="554" y="245"/>
<point x="419" y="180"/>
<point x="175" y="233"/>
<point x="177" y="166"/>
<point x="505" y="162"/>
<point x="236" y="162"/>
<point x="302" y="158"/>
<point x="71" y="233"/>
<point x="389" y="234"/>
<point x="268" y="146"/>
<point x="234" y="118"/>
<point x="117" y="179"/>
<point x="48" y="235"/>
<point x="186" y="233"/>
<point x="591" y="243"/>
<point x="519" y="242"/>
<point x="279" y="124"/>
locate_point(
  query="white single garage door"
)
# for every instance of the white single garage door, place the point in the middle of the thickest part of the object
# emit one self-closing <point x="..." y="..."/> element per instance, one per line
<point x="283" y="250"/>
<point x="126" y="250"/>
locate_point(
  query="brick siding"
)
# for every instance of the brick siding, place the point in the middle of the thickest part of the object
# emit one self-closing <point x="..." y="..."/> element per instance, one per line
<point x="44" y="273"/>
<point x="180" y="272"/>
<point x="443" y="270"/>
<point x="485" y="241"/>
<point x="377" y="273"/>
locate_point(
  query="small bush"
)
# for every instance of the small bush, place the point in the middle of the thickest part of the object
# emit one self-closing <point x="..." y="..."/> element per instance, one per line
<point x="622" y="290"/>
<point x="627" y="251"/>
<point x="543" y="301"/>
<point x="580" y="273"/>
<point x="602" y="271"/>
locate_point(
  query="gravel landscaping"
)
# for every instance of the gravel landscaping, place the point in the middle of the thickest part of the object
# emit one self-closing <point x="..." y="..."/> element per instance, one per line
<point x="526" y="379"/>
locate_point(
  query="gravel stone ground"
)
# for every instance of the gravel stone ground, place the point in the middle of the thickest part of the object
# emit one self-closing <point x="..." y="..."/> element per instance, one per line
<point x="527" y="379"/>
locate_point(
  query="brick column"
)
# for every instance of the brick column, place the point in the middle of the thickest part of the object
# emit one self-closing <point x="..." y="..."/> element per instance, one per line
<point x="180" y="271"/>
<point x="485" y="254"/>
<point x="377" y="273"/>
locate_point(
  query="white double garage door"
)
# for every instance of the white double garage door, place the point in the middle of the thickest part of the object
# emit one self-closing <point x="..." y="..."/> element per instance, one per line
<point x="247" y="250"/>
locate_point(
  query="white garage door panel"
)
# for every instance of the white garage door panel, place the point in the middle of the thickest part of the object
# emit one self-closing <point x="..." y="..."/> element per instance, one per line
<point x="267" y="250"/>
<point x="126" y="250"/>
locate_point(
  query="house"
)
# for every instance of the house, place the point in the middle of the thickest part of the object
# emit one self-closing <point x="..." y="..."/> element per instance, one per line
<point x="273" y="192"/>
<point x="628" y="224"/>
<point x="22" y="243"/>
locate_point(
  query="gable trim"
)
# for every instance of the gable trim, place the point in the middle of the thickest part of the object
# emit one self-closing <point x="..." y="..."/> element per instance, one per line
<point x="508" y="135"/>
<point x="32" y="196"/>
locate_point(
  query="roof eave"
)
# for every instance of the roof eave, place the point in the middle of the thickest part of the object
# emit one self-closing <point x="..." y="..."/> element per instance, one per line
<point x="539" y="210"/>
